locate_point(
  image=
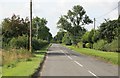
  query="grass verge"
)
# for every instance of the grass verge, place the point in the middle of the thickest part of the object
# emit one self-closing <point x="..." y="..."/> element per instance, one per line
<point x="26" y="67"/>
<point x="111" y="57"/>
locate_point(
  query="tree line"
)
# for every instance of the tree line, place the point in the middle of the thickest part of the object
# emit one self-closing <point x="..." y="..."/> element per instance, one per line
<point x="15" y="32"/>
<point x="72" y="31"/>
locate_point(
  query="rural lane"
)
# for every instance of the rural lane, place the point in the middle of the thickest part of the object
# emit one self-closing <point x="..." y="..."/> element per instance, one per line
<point x="63" y="62"/>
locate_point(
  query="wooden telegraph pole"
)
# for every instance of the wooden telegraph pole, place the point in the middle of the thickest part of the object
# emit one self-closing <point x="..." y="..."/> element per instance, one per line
<point x="30" y="40"/>
<point x="94" y="25"/>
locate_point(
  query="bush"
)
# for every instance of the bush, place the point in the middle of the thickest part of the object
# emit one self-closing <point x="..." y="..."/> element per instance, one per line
<point x="88" y="45"/>
<point x="19" y="42"/>
<point x="113" y="46"/>
<point x="80" y="45"/>
<point x="66" y="39"/>
<point x="22" y="42"/>
<point x="37" y="44"/>
<point x="99" y="45"/>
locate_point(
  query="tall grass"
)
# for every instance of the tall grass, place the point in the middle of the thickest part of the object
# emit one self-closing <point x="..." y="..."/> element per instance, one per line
<point x="14" y="55"/>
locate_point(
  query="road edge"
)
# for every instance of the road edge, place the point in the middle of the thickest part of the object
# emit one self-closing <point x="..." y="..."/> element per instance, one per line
<point x="37" y="73"/>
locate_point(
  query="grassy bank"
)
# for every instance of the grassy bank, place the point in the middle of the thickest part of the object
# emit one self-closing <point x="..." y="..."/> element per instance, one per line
<point x="111" y="57"/>
<point x="25" y="67"/>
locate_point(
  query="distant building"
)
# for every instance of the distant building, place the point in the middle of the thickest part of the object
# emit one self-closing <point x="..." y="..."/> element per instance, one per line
<point x="119" y="8"/>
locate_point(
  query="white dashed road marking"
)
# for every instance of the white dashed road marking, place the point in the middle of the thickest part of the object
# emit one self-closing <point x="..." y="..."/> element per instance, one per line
<point x="78" y="63"/>
<point x="69" y="57"/>
<point x="93" y="74"/>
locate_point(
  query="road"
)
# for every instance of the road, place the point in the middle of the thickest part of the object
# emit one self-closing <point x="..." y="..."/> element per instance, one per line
<point x="61" y="61"/>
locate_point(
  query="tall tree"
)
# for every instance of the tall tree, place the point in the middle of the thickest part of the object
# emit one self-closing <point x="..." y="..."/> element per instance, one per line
<point x="108" y="30"/>
<point x="14" y="27"/>
<point x="59" y="36"/>
<point x="74" y="20"/>
<point x="40" y="29"/>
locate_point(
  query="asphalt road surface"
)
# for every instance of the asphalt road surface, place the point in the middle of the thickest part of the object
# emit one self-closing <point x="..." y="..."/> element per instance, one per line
<point x="61" y="61"/>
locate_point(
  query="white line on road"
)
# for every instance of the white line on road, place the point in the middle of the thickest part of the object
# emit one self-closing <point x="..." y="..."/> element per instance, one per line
<point x="69" y="57"/>
<point x="62" y="51"/>
<point x="66" y="55"/>
<point x="78" y="63"/>
<point x="93" y="74"/>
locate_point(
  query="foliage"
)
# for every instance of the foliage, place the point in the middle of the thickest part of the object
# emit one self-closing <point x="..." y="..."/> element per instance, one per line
<point x="73" y="22"/>
<point x="19" y="42"/>
<point x="14" y="27"/>
<point x="107" y="56"/>
<point x="85" y="37"/>
<point x="67" y="39"/>
<point x="108" y="30"/>
<point x="90" y="36"/>
<point x="58" y="38"/>
<point x="16" y="31"/>
<point x="113" y="46"/>
<point x="40" y="30"/>
<point x="80" y="45"/>
<point x="37" y="44"/>
<point x="88" y="45"/>
<point x="99" y="45"/>
<point x="96" y="36"/>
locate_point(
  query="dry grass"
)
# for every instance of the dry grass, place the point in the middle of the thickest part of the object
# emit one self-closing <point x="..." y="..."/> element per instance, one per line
<point x="0" y="57"/>
<point x="14" y="55"/>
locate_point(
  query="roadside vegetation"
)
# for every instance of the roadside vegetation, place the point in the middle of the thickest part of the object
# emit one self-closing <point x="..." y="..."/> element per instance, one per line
<point x="25" y="67"/>
<point x="16" y="58"/>
<point x="110" y="57"/>
<point x="102" y="42"/>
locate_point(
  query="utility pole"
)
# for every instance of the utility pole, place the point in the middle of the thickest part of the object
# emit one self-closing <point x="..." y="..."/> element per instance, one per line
<point x="118" y="29"/>
<point x="94" y="25"/>
<point x="30" y="40"/>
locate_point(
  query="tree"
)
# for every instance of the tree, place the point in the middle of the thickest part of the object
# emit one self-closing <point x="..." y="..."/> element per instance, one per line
<point x="73" y="21"/>
<point x="108" y="30"/>
<point x="67" y="39"/>
<point x="43" y="30"/>
<point x="14" y="27"/>
<point x="85" y="37"/>
<point x="96" y="36"/>
<point x="59" y="36"/>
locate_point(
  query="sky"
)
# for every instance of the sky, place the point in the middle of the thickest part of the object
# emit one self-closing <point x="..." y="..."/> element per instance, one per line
<point x="53" y="9"/>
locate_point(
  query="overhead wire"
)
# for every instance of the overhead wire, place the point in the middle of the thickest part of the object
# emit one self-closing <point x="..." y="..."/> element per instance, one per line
<point x="107" y="12"/>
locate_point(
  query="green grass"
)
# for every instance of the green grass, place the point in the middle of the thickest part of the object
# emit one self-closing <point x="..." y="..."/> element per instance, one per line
<point x="111" y="57"/>
<point x="25" y="68"/>
<point x="0" y="71"/>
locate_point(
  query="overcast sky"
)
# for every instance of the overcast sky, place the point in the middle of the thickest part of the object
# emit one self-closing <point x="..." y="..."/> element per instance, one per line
<point x="53" y="9"/>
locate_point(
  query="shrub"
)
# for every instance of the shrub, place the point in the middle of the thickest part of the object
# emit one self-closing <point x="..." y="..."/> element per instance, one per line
<point x="19" y="42"/>
<point x="22" y="42"/>
<point x="80" y="45"/>
<point x="38" y="43"/>
<point x="66" y="39"/>
<point x="113" y="46"/>
<point x="99" y="45"/>
<point x="85" y="37"/>
<point x="88" y="45"/>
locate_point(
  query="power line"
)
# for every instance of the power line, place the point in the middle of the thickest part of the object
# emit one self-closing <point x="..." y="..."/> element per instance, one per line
<point x="107" y="12"/>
